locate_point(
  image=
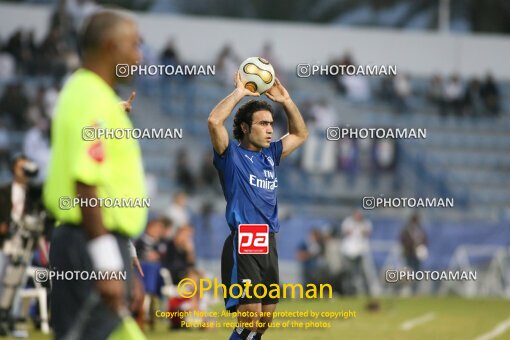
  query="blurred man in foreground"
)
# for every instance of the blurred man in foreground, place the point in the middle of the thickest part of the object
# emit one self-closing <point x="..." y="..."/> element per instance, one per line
<point x="94" y="238"/>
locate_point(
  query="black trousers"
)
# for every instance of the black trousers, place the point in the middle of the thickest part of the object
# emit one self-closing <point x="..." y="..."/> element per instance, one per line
<point x="75" y="304"/>
<point x="257" y="268"/>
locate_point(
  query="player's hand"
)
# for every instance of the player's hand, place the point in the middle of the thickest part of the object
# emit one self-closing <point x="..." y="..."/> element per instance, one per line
<point x="112" y="293"/>
<point x="136" y="264"/>
<point x="278" y="93"/>
<point x="240" y="87"/>
<point x="127" y="105"/>
<point x="137" y="295"/>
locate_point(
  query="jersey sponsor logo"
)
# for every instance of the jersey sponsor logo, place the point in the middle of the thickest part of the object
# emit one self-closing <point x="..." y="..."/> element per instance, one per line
<point x="269" y="182"/>
<point x="96" y="152"/>
<point x="253" y="239"/>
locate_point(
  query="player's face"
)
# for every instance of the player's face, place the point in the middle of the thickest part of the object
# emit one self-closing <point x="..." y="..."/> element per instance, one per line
<point x="261" y="129"/>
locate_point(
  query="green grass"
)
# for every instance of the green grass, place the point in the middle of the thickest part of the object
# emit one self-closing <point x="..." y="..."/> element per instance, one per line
<point x="455" y="318"/>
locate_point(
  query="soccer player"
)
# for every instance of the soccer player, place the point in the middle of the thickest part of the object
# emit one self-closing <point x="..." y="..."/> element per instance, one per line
<point x="94" y="238"/>
<point x="247" y="174"/>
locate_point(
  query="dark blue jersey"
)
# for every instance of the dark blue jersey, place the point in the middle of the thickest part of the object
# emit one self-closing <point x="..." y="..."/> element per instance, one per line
<point x="249" y="183"/>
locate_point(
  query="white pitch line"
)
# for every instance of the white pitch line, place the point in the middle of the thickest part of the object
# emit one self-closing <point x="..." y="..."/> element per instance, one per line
<point x="498" y="330"/>
<point x="410" y="324"/>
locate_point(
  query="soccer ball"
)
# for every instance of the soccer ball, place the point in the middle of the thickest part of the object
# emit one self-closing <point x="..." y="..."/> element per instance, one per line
<point x="257" y="74"/>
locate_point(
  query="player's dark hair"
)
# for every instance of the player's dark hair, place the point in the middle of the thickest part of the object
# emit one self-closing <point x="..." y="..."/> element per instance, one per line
<point x="245" y="115"/>
<point x="96" y="26"/>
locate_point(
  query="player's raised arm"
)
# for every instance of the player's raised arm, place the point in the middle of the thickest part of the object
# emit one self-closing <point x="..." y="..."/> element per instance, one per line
<point x="298" y="132"/>
<point x="217" y="130"/>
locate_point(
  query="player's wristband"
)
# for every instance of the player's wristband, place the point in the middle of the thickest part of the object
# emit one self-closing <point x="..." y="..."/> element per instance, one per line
<point x="105" y="253"/>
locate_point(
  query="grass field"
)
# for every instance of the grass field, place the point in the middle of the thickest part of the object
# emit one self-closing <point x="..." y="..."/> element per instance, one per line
<point x="399" y="318"/>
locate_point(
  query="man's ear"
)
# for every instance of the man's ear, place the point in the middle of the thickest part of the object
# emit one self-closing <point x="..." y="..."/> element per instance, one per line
<point x="245" y="128"/>
<point x="110" y="45"/>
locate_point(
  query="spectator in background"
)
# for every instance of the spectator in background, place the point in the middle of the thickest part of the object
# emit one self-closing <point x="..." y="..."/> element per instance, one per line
<point x="453" y="95"/>
<point x="334" y="260"/>
<point x="356" y="230"/>
<point x="349" y="159"/>
<point x="324" y="114"/>
<point x="50" y="99"/>
<point x="147" y="84"/>
<point x="357" y="88"/>
<point x="178" y="85"/>
<point x="268" y="54"/>
<point x="28" y="52"/>
<point x="169" y="55"/>
<point x="194" y="306"/>
<point x="306" y="111"/>
<point x="13" y="44"/>
<point x="403" y="92"/>
<point x="37" y="109"/>
<point x="150" y="246"/>
<point x="414" y="243"/>
<point x="180" y="253"/>
<point x="183" y="174"/>
<point x="78" y="10"/>
<point x="20" y="46"/>
<point x="490" y="95"/>
<point x="168" y="233"/>
<point x="227" y="62"/>
<point x="335" y="79"/>
<point x="51" y="54"/>
<point x="34" y="114"/>
<point x="14" y="106"/>
<point x="178" y="211"/>
<point x="309" y="254"/>
<point x="19" y="197"/>
<point x="4" y="146"/>
<point x="385" y="89"/>
<point x="208" y="174"/>
<point x="36" y="145"/>
<point x="473" y="101"/>
<point x="383" y="159"/>
<point x="435" y="94"/>
<point x="62" y="20"/>
<point x="7" y="66"/>
<point x="345" y="60"/>
<point x="205" y="238"/>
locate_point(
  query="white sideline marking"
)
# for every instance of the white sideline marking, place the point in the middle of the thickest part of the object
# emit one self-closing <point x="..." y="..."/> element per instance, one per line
<point x="410" y="324"/>
<point x="498" y="330"/>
